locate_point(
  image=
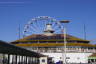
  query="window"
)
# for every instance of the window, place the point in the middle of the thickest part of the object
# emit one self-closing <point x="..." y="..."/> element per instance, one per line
<point x="78" y="58"/>
<point x="67" y="57"/>
<point x="43" y="60"/>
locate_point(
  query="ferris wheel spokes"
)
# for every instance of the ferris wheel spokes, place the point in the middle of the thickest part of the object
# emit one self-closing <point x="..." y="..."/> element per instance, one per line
<point x="39" y="24"/>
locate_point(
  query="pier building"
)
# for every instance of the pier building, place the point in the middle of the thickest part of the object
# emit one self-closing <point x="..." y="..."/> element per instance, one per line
<point x="50" y="43"/>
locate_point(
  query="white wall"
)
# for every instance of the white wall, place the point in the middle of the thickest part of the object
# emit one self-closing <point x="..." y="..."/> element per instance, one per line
<point x="73" y="57"/>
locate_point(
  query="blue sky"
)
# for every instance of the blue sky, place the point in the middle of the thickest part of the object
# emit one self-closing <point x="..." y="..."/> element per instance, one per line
<point x="13" y="12"/>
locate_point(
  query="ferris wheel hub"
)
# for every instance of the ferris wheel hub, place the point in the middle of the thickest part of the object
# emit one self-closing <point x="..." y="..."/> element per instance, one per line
<point x="48" y="31"/>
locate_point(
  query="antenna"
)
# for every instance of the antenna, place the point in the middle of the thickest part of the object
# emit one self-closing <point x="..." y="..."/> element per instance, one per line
<point x="19" y="31"/>
<point x="84" y="30"/>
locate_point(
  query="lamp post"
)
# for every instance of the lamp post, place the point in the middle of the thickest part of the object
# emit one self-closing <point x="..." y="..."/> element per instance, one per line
<point x="65" y="39"/>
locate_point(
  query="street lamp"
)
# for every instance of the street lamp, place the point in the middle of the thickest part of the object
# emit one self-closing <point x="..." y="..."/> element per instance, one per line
<point x="65" y="39"/>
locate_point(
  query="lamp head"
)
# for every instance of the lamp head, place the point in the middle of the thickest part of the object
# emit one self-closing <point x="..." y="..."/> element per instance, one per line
<point x="64" y="21"/>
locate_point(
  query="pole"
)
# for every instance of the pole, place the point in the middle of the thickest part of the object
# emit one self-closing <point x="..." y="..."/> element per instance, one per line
<point x="64" y="45"/>
<point x="19" y="31"/>
<point x="65" y="42"/>
<point x="84" y="31"/>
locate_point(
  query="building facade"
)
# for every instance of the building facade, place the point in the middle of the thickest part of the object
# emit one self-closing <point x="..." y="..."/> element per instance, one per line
<point x="53" y="46"/>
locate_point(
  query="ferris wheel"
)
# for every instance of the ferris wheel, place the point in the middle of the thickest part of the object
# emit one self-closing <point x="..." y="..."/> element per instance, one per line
<point x="42" y="25"/>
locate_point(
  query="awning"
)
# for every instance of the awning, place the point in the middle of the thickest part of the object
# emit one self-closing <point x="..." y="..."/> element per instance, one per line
<point x="6" y="48"/>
